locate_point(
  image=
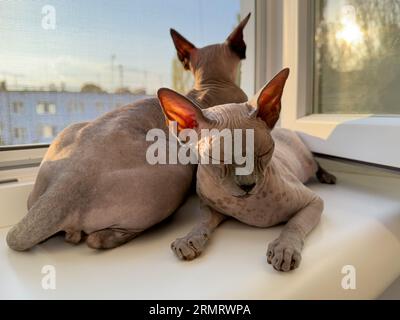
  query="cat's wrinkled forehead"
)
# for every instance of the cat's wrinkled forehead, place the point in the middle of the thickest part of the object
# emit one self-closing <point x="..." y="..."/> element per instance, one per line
<point x="232" y="115"/>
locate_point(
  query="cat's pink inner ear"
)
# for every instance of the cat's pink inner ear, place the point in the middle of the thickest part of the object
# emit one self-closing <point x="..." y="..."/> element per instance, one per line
<point x="269" y="99"/>
<point x="180" y="109"/>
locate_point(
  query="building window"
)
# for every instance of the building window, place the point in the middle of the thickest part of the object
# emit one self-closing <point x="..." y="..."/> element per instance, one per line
<point x="46" y="108"/>
<point x="17" y="107"/>
<point x="19" y="133"/>
<point x="48" y="131"/>
<point x="76" y="107"/>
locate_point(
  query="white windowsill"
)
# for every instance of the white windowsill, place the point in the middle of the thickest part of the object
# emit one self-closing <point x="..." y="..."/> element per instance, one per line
<point x="360" y="226"/>
<point x="366" y="138"/>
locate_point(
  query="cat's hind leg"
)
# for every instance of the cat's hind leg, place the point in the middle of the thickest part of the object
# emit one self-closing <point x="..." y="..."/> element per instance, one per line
<point x="109" y="238"/>
<point x="324" y="176"/>
<point x="73" y="237"/>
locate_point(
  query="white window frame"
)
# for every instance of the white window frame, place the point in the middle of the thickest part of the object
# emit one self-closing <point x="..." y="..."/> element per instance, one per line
<point x="17" y="156"/>
<point x="281" y="36"/>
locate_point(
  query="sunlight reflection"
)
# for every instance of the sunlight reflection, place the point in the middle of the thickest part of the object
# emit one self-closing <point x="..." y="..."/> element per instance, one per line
<point x="357" y="60"/>
<point x="347" y="42"/>
<point x="350" y="32"/>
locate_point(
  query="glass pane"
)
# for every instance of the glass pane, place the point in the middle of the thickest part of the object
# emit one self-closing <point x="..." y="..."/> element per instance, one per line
<point x="357" y="56"/>
<point x="72" y="61"/>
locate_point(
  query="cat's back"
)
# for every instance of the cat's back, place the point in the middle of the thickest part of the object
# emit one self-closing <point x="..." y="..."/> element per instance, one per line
<point x="293" y="154"/>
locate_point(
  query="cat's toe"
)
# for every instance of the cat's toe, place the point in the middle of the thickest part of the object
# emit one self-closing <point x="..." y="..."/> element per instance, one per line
<point x="189" y="247"/>
<point x="283" y="256"/>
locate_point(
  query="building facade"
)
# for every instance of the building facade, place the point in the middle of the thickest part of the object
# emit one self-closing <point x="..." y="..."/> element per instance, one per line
<point x="29" y="117"/>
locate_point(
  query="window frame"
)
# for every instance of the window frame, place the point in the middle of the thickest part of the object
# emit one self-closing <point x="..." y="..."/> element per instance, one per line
<point x="18" y="156"/>
<point x="288" y="42"/>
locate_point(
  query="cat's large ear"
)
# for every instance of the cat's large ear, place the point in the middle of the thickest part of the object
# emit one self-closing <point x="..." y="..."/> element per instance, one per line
<point x="182" y="110"/>
<point x="235" y="39"/>
<point x="184" y="48"/>
<point x="267" y="101"/>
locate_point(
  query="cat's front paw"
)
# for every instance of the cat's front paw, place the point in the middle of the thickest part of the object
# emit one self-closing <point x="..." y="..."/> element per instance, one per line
<point x="191" y="246"/>
<point x="284" y="254"/>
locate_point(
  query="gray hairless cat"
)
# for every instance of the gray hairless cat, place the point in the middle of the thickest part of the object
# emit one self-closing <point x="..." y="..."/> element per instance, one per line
<point x="94" y="179"/>
<point x="272" y="194"/>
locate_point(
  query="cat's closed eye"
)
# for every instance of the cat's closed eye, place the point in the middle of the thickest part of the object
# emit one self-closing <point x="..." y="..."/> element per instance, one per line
<point x="267" y="153"/>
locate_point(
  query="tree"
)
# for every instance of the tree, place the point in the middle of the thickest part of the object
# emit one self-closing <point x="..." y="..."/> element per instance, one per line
<point x="139" y="92"/>
<point x="3" y="86"/>
<point x="123" y="90"/>
<point x="52" y="87"/>
<point x="182" y="80"/>
<point x="91" y="88"/>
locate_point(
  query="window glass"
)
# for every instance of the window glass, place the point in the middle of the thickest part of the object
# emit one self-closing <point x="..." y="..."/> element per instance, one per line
<point x="63" y="62"/>
<point x="357" y="57"/>
<point x="19" y="133"/>
<point x="17" y="107"/>
<point x="48" y="131"/>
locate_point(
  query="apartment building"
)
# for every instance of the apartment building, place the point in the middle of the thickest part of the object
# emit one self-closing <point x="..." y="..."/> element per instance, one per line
<point x="28" y="117"/>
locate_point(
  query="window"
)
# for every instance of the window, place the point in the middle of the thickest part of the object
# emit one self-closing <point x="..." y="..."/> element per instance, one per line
<point x="17" y="107"/>
<point x="87" y="59"/>
<point x="343" y="91"/>
<point x="357" y="57"/>
<point x="19" y="133"/>
<point x="76" y="107"/>
<point x="48" y="131"/>
<point x="45" y="108"/>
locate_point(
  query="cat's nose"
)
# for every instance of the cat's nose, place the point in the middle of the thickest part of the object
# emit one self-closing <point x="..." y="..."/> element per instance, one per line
<point x="247" y="187"/>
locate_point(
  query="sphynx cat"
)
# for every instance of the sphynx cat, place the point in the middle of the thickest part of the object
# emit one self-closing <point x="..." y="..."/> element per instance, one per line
<point x="94" y="179"/>
<point x="273" y="193"/>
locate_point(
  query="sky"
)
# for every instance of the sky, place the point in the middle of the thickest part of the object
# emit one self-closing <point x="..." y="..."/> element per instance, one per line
<point x="89" y="32"/>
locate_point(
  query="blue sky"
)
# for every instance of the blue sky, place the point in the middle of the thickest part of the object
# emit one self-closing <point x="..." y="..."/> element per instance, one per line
<point x="88" y="32"/>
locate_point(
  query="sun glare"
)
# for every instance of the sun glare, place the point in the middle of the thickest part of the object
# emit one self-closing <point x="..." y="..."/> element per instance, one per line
<point x="350" y="32"/>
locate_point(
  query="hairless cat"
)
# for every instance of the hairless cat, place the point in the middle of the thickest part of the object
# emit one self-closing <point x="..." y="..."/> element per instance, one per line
<point x="94" y="179"/>
<point x="273" y="193"/>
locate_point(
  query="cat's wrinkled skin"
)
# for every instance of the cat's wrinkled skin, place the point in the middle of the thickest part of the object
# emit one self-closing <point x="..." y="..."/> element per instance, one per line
<point x="95" y="180"/>
<point x="274" y="193"/>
